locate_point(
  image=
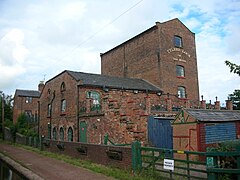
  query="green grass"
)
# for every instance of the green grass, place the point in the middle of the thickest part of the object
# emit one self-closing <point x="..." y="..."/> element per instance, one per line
<point x="108" y="171"/>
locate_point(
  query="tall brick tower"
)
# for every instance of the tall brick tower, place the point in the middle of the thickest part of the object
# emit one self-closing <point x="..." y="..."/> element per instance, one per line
<point x="164" y="55"/>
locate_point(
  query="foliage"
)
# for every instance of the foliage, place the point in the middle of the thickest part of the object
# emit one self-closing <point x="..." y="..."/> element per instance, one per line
<point x="235" y="97"/>
<point x="23" y="127"/>
<point x="227" y="162"/>
<point x="8" y="108"/>
<point x="233" y="67"/>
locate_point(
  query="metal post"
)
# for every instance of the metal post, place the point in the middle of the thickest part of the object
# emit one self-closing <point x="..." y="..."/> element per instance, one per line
<point x="105" y="139"/>
<point x="2" y="113"/>
<point x="238" y="163"/>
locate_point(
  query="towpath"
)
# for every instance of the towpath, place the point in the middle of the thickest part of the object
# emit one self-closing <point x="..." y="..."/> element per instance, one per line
<point x="35" y="166"/>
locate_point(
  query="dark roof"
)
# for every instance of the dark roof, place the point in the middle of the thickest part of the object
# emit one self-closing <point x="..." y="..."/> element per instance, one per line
<point x="27" y="93"/>
<point x="205" y="115"/>
<point x="113" y="82"/>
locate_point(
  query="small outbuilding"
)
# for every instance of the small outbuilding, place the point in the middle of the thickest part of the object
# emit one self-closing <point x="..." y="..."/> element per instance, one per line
<point x="198" y="129"/>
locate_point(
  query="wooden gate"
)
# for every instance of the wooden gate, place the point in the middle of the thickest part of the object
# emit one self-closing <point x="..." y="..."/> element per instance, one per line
<point x="160" y="132"/>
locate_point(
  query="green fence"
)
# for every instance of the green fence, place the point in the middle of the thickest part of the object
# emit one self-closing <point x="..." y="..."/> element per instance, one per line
<point x="174" y="164"/>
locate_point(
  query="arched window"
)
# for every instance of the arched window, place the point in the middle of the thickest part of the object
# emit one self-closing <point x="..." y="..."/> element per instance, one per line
<point x="61" y="133"/>
<point x="63" y="87"/>
<point x="181" y="92"/>
<point x="180" y="71"/>
<point x="70" y="134"/>
<point x="55" y="133"/>
<point x="95" y="96"/>
<point x="63" y="105"/>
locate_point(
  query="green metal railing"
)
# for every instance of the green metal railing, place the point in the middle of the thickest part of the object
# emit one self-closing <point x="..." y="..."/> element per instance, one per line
<point x="106" y="140"/>
<point x="186" y="164"/>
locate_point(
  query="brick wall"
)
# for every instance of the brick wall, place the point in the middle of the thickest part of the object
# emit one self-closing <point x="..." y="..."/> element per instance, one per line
<point x="152" y="55"/>
<point x="95" y="153"/>
<point x="53" y="95"/>
<point x="20" y="106"/>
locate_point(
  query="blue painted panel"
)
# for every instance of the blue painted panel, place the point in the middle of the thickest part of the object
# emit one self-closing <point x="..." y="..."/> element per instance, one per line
<point x="220" y="132"/>
<point x="160" y="133"/>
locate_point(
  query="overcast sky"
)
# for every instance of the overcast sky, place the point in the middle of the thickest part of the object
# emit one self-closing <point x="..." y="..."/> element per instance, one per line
<point x="39" y="39"/>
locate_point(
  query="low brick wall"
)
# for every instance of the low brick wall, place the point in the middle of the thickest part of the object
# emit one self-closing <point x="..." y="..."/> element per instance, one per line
<point x="114" y="156"/>
<point x="20" y="139"/>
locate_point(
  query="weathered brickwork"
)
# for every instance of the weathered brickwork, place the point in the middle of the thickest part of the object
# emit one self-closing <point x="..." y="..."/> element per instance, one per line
<point x="94" y="153"/>
<point x="53" y="95"/>
<point x="122" y="114"/>
<point x="152" y="56"/>
<point x="22" y="104"/>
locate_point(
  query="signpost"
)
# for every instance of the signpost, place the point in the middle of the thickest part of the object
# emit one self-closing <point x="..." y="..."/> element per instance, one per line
<point x="168" y="164"/>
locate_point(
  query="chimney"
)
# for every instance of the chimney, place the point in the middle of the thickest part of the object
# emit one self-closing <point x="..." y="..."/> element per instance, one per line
<point x="41" y="86"/>
<point x="203" y="103"/>
<point x="217" y="104"/>
<point x="229" y="105"/>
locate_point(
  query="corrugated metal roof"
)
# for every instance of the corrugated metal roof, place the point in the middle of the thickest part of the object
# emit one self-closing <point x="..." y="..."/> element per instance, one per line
<point x="113" y="82"/>
<point x="205" y="115"/>
<point x="27" y="93"/>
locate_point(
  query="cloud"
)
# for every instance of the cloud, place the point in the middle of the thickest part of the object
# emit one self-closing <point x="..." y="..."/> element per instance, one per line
<point x="12" y="56"/>
<point x="48" y="37"/>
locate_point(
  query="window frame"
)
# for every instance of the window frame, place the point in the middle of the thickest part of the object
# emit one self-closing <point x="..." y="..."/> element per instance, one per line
<point x="63" y="105"/>
<point x="61" y="134"/>
<point x="70" y="138"/>
<point x="181" y="91"/>
<point x="180" y="71"/>
<point x="63" y="87"/>
<point x="49" y="110"/>
<point x="54" y="134"/>
<point x="177" y="40"/>
<point x="28" y="100"/>
<point x="96" y="97"/>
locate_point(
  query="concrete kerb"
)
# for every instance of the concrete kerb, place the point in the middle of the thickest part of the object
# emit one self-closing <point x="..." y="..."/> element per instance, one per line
<point x="20" y="169"/>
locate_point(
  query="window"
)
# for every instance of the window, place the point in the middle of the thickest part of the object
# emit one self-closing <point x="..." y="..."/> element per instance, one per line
<point x="49" y="92"/>
<point x="29" y="115"/>
<point x="63" y="105"/>
<point x="61" y="133"/>
<point x="95" y="96"/>
<point x="49" y="110"/>
<point x="28" y="100"/>
<point x="63" y="87"/>
<point x="180" y="71"/>
<point x="55" y="133"/>
<point x="181" y="92"/>
<point x="70" y="134"/>
<point x="177" y="41"/>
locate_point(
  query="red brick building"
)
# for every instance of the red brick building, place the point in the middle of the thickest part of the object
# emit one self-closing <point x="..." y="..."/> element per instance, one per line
<point x="83" y="107"/>
<point x="26" y="101"/>
<point x="164" y="55"/>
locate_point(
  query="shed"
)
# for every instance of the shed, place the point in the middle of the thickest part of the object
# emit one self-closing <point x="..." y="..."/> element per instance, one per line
<point x="197" y="129"/>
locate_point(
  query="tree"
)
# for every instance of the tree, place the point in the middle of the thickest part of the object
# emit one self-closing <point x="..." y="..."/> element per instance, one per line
<point x="233" y="67"/>
<point x="235" y="97"/>
<point x="8" y="108"/>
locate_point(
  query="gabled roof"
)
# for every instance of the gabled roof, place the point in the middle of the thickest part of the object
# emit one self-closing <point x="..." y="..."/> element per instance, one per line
<point x="27" y="93"/>
<point x="113" y="82"/>
<point x="146" y="31"/>
<point x="206" y="115"/>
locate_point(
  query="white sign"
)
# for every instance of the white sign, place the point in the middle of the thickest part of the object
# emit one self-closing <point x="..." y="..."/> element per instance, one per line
<point x="168" y="164"/>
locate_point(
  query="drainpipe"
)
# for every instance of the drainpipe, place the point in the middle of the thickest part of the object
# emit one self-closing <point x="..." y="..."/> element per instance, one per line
<point x="38" y="119"/>
<point x="78" y="112"/>
<point x="51" y="114"/>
